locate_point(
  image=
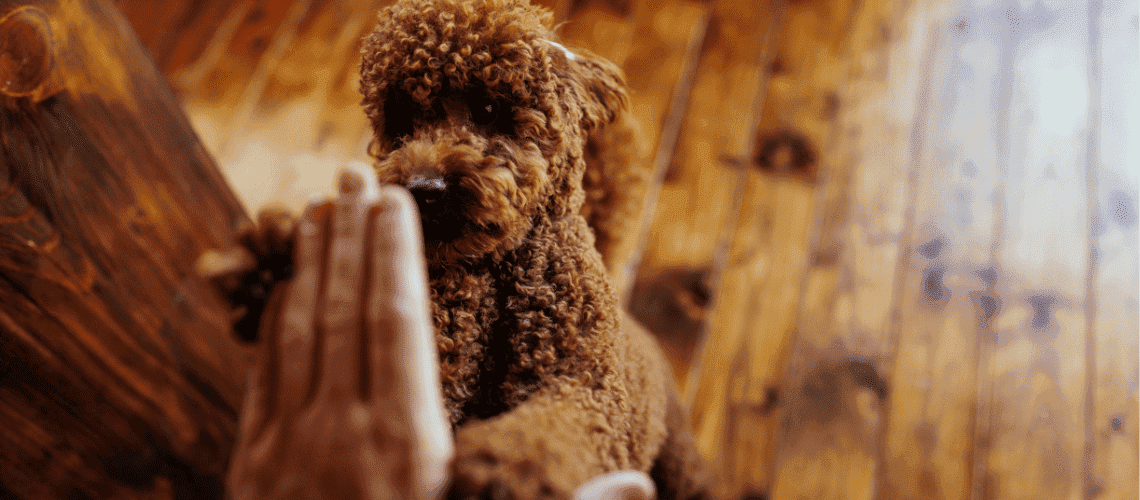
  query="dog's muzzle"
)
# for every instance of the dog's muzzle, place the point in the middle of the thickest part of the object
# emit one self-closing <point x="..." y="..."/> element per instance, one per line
<point x="428" y="190"/>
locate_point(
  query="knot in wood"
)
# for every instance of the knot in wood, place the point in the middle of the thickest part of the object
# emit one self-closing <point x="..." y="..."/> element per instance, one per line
<point x="25" y="51"/>
<point x="785" y="152"/>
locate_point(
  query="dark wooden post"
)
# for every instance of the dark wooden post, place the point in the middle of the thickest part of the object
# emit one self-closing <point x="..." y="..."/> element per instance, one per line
<point x="118" y="375"/>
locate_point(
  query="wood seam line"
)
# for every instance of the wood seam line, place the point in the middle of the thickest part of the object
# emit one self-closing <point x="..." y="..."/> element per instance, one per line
<point x="666" y="145"/>
<point x="740" y="185"/>
<point x="826" y="175"/>
<point x="1092" y="164"/>
<point x="919" y="134"/>
<point x="824" y="179"/>
<point x="983" y="399"/>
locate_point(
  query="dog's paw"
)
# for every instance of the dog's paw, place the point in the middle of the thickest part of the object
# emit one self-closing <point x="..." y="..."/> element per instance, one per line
<point x="481" y="473"/>
<point x="246" y="273"/>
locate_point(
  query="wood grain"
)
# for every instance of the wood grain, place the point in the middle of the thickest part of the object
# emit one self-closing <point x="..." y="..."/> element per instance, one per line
<point x="231" y="67"/>
<point x="730" y="59"/>
<point x="944" y="304"/>
<point x="298" y="119"/>
<point x="873" y="323"/>
<point x="119" y="377"/>
<point x="835" y="386"/>
<point x="794" y="133"/>
<point x="196" y="22"/>
<point x="1112" y="422"/>
<point x="713" y="132"/>
<point x="660" y="67"/>
<point x="1036" y="361"/>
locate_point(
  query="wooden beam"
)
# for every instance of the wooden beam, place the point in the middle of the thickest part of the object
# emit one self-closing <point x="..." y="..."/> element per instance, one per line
<point x="119" y="377"/>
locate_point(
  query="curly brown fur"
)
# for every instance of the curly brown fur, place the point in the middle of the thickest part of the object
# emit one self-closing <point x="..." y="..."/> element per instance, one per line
<point x="616" y="180"/>
<point x="485" y="120"/>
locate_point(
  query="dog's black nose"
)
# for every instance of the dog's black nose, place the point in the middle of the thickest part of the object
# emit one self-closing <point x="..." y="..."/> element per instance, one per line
<point x="427" y="189"/>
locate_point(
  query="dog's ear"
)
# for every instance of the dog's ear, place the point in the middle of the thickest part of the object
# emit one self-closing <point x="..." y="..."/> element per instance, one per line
<point x="601" y="85"/>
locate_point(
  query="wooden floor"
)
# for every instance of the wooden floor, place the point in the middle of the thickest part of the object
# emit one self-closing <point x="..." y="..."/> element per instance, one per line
<point x="893" y="242"/>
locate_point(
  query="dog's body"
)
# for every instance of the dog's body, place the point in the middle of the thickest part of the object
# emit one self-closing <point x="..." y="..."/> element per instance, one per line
<point x="484" y="119"/>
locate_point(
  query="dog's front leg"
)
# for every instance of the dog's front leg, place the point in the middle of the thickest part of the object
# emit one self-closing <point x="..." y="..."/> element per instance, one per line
<point x="544" y="448"/>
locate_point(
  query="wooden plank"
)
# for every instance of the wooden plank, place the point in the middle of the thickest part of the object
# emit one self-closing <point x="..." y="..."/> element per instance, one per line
<point x="299" y="119"/>
<point x="944" y="304"/>
<point x="233" y="67"/>
<point x="692" y="206"/>
<point x="755" y="305"/>
<point x="176" y="33"/>
<point x="749" y="306"/>
<point x="691" y="210"/>
<point x="660" y="68"/>
<point x="1035" y="364"/>
<point x="803" y="97"/>
<point x="834" y="386"/>
<point x="119" y="377"/>
<point x="818" y="85"/>
<point x="797" y="128"/>
<point x="1113" y="422"/>
<point x="999" y="36"/>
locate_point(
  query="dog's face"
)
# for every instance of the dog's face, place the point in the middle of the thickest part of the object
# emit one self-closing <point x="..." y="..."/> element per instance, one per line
<point x="482" y="117"/>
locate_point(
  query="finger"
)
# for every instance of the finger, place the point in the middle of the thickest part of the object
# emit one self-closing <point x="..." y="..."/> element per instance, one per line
<point x="223" y="269"/>
<point x="403" y="357"/>
<point x="398" y="309"/>
<point x="252" y="422"/>
<point x="276" y="225"/>
<point x="294" y="335"/>
<point x="342" y="309"/>
<point x="621" y="485"/>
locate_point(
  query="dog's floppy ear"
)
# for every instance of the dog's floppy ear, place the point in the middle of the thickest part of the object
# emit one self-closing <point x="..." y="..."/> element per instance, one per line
<point x="601" y="85"/>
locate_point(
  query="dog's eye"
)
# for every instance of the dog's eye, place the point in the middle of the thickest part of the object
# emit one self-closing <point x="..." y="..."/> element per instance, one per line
<point x="484" y="113"/>
<point x="399" y="115"/>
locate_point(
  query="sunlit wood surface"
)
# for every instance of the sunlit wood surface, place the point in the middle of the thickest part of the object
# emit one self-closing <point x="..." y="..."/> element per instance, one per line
<point x="892" y="250"/>
<point x="119" y="377"/>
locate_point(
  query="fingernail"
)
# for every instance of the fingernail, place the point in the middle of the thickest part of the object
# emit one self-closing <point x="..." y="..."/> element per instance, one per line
<point x="311" y="217"/>
<point x="351" y="182"/>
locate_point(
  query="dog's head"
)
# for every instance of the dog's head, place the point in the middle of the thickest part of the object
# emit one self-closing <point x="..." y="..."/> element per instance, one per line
<point x="483" y="117"/>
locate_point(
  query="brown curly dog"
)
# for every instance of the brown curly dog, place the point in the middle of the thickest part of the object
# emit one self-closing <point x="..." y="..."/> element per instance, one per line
<point x="484" y="118"/>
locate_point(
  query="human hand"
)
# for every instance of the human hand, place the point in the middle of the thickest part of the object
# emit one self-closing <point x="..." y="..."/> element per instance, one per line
<point x="345" y="399"/>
